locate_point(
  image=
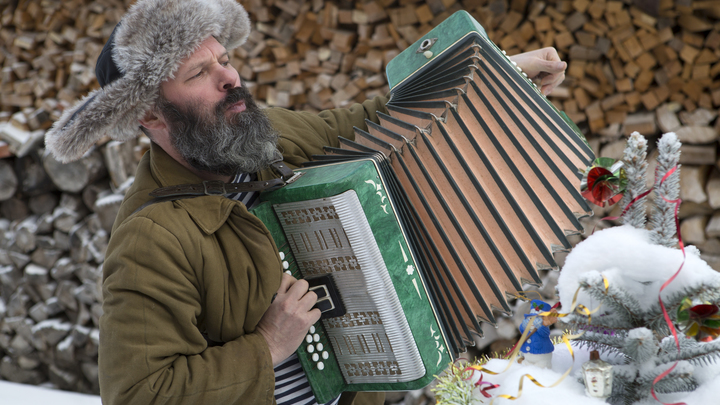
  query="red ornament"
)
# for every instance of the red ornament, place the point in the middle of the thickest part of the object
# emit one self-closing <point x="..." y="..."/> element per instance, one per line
<point x="604" y="182"/>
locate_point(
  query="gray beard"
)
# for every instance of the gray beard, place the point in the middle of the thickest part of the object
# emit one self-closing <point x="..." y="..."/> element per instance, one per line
<point x="246" y="143"/>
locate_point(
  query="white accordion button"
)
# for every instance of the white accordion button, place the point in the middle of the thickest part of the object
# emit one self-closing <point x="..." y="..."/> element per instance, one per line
<point x="321" y="365"/>
<point x="525" y="74"/>
<point x="310" y="348"/>
<point x="308" y="338"/>
<point x="503" y="52"/>
<point x="319" y="346"/>
<point x="312" y="328"/>
<point x="428" y="54"/>
<point x="286" y="265"/>
<point x="325" y="355"/>
<point x="288" y="272"/>
<point x="282" y="256"/>
<point x="315" y="357"/>
<point x="316" y="337"/>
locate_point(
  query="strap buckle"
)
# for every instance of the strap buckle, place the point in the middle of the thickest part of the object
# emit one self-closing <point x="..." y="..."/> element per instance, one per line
<point x="214" y="187"/>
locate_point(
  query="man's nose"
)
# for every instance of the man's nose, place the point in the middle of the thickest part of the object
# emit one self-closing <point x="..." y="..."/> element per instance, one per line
<point x="227" y="78"/>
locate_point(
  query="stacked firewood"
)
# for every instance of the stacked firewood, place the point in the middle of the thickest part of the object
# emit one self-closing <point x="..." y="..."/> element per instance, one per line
<point x="633" y="65"/>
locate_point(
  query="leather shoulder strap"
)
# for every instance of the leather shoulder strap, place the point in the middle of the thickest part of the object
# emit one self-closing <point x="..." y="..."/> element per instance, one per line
<point x="217" y="187"/>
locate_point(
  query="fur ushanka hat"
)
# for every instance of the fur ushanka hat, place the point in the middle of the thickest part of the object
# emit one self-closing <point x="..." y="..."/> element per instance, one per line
<point x="145" y="49"/>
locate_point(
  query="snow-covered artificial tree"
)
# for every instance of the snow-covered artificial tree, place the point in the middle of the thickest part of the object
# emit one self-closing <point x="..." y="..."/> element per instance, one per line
<point x="620" y="273"/>
<point x="623" y="290"/>
<point x="635" y="165"/>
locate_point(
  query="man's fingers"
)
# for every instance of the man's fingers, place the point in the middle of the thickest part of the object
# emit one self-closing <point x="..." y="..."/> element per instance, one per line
<point x="286" y="282"/>
<point x="549" y="82"/>
<point x="315" y="315"/>
<point x="309" y="299"/>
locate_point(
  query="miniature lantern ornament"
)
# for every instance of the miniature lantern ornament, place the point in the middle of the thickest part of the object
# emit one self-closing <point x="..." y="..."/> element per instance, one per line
<point x="597" y="376"/>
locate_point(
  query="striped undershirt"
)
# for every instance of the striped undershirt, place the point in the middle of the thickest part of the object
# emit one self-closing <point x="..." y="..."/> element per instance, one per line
<point x="291" y="383"/>
<point x="247" y="197"/>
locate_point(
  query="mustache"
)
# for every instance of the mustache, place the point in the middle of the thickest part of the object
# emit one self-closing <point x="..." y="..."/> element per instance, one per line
<point x="233" y="96"/>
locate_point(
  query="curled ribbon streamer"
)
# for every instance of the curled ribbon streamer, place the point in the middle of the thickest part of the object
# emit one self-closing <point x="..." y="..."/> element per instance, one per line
<point x="574" y="307"/>
<point x="522" y="295"/>
<point x="566" y="339"/>
<point x="662" y="305"/>
<point x="579" y="308"/>
<point x="529" y="376"/>
<point x="480" y="382"/>
<point x="627" y="207"/>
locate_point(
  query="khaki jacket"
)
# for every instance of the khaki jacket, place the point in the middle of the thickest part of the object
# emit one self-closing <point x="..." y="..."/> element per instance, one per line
<point x="176" y="270"/>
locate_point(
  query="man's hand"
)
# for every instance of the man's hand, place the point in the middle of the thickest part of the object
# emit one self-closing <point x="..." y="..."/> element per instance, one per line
<point x="543" y="66"/>
<point x="287" y="320"/>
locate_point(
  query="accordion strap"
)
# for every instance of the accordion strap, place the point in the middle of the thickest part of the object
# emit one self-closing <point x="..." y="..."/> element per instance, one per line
<point x="217" y="187"/>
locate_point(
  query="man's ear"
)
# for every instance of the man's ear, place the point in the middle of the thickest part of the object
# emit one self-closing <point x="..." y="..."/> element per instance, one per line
<point x="153" y="120"/>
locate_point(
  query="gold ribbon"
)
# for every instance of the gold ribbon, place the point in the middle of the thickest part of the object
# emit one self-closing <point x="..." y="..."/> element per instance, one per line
<point x="581" y="309"/>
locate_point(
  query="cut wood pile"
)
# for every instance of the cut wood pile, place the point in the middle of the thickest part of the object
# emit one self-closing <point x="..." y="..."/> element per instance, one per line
<point x="633" y="65"/>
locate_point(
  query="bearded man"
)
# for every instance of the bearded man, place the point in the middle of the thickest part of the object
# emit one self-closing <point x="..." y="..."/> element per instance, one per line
<point x="196" y="307"/>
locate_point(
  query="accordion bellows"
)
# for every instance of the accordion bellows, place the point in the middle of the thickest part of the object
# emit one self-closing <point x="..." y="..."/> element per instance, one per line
<point x="468" y="186"/>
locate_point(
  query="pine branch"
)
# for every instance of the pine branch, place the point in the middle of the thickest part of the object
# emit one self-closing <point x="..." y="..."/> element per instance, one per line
<point x="602" y="342"/>
<point x="679" y="384"/>
<point x="625" y="387"/>
<point x="616" y="300"/>
<point x="600" y="323"/>
<point x="640" y="345"/>
<point x="635" y="169"/>
<point x="677" y="380"/>
<point x="697" y="353"/>
<point x="662" y="220"/>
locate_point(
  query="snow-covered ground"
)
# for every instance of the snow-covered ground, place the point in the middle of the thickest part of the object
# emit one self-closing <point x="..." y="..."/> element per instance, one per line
<point x="21" y="394"/>
<point x="571" y="391"/>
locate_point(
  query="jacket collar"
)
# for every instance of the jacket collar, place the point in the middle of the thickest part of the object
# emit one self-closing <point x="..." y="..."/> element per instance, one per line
<point x="208" y="212"/>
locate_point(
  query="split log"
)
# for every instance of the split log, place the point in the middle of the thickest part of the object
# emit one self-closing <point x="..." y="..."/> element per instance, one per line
<point x="692" y="183"/>
<point x="73" y="177"/>
<point x="697" y="134"/>
<point x="693" y="229"/>
<point x="8" y="181"/>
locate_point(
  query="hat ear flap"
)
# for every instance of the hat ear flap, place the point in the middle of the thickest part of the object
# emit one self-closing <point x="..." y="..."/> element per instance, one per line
<point x="114" y="111"/>
<point x="71" y="136"/>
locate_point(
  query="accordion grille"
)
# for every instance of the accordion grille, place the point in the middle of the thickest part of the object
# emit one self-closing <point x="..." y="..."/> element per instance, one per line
<point x="372" y="342"/>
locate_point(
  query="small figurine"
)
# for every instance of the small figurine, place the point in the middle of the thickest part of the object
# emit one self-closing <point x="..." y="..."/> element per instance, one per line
<point x="537" y="348"/>
<point x="597" y="376"/>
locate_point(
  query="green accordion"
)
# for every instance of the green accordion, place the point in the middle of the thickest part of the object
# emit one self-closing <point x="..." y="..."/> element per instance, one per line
<point x="416" y="231"/>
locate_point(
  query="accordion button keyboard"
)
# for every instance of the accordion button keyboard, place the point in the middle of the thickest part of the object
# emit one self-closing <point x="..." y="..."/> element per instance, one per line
<point x="320" y="291"/>
<point x="324" y="305"/>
